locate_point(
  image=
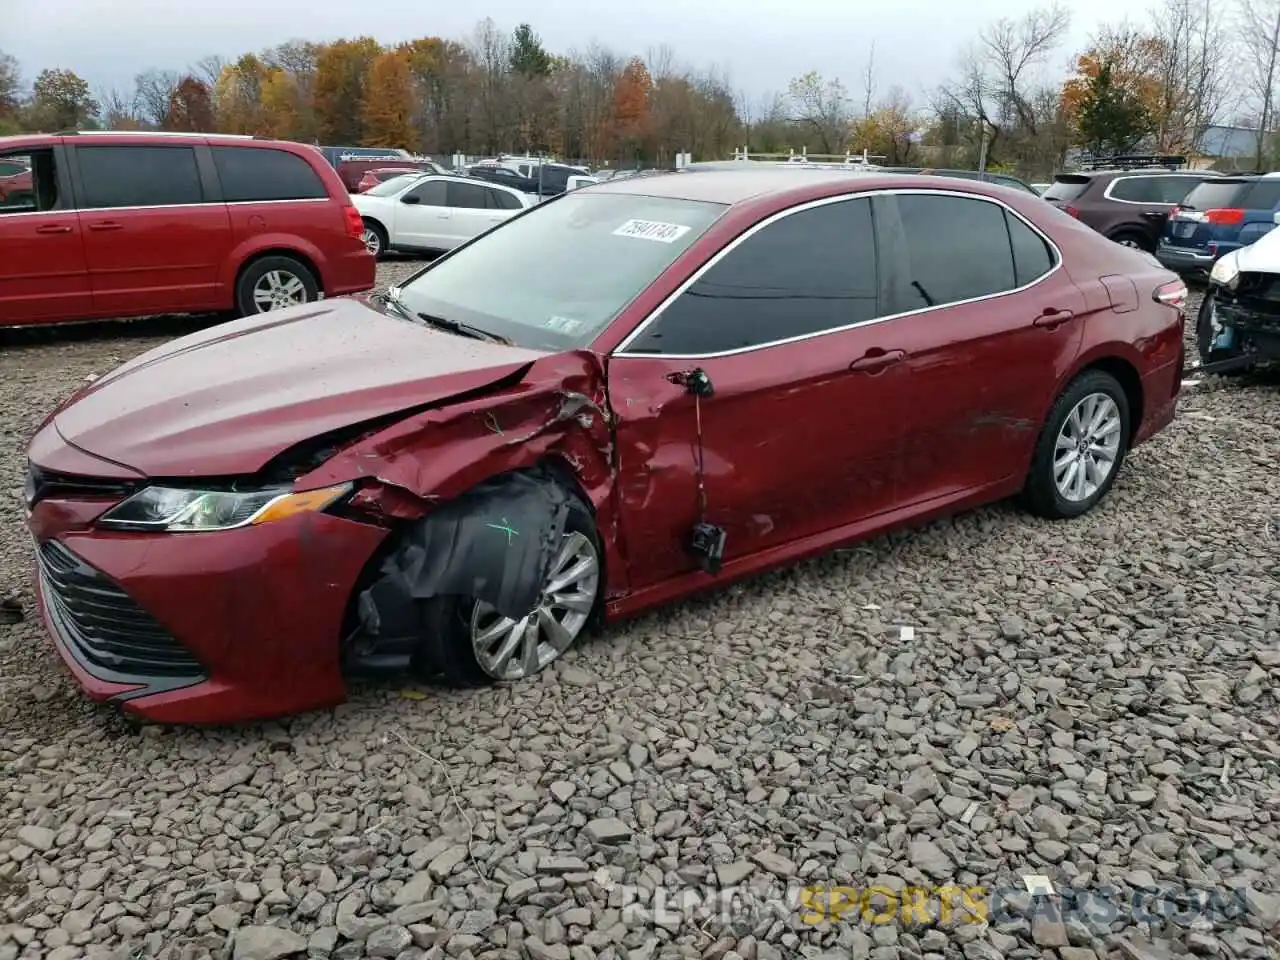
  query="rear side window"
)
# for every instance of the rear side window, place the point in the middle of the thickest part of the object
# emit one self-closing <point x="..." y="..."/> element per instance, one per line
<point x="1171" y="190"/>
<point x="469" y="196"/>
<point x="808" y="272"/>
<point x="138" y="176"/>
<point x="1264" y="195"/>
<point x="1067" y="188"/>
<point x="1217" y="194"/>
<point x="1133" y="189"/>
<point x="501" y="200"/>
<point x="957" y="249"/>
<point x="1032" y="257"/>
<point x="260" y="174"/>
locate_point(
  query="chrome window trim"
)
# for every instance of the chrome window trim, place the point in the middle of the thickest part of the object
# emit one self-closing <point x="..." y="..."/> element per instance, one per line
<point x="159" y="206"/>
<point x="1106" y="194"/>
<point x="619" y="350"/>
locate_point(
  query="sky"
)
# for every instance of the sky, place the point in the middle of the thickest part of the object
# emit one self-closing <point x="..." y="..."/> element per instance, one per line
<point x="761" y="44"/>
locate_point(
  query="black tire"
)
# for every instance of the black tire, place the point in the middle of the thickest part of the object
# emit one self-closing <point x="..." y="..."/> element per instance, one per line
<point x="1134" y="238"/>
<point x="1041" y="494"/>
<point x="287" y="268"/>
<point x="446" y="649"/>
<point x="377" y="235"/>
<point x="1205" y="336"/>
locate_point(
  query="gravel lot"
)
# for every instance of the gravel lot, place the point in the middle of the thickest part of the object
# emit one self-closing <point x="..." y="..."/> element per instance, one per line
<point x="1094" y="702"/>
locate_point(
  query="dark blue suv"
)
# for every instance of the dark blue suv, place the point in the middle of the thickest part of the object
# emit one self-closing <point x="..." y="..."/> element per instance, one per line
<point x="1216" y="217"/>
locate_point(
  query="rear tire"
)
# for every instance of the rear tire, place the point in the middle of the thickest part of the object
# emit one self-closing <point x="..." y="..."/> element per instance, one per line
<point x="1070" y="439"/>
<point x="1134" y="240"/>
<point x="449" y="623"/>
<point x="1206" y="334"/>
<point x="274" y="283"/>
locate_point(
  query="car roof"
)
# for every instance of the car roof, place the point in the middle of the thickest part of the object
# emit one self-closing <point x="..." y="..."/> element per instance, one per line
<point x="717" y="184"/>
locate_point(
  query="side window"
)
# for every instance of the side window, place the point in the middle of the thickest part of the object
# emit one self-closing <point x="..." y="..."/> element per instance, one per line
<point x="501" y="200"/>
<point x="18" y="181"/>
<point x="1173" y="190"/>
<point x="138" y="176"/>
<point x="812" y="271"/>
<point x="1032" y="257"/>
<point x="469" y="196"/>
<point x="1264" y="195"/>
<point x="1133" y="189"/>
<point x="433" y="193"/>
<point x="957" y="249"/>
<point x="259" y="174"/>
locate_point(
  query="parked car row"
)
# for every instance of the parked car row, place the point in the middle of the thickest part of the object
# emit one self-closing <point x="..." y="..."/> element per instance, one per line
<point x="462" y="476"/>
<point x="113" y="225"/>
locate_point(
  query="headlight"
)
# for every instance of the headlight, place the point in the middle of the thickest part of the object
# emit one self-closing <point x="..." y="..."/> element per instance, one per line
<point x="183" y="510"/>
<point x="1225" y="271"/>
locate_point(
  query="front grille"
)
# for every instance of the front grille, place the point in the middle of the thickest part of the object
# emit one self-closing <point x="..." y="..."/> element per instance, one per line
<point x="42" y="484"/>
<point x="108" y="632"/>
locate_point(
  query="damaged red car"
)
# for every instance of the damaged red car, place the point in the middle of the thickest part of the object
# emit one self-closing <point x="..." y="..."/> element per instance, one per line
<point x="630" y="393"/>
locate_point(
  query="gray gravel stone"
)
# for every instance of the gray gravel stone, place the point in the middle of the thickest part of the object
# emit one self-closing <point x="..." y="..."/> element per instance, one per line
<point x="266" y="943"/>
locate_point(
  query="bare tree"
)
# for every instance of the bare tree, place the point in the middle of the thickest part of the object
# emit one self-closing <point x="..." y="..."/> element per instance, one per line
<point x="1261" y="41"/>
<point x="869" y="82"/>
<point x="209" y="69"/>
<point x="153" y="90"/>
<point x="118" y="111"/>
<point x="1190" y="67"/>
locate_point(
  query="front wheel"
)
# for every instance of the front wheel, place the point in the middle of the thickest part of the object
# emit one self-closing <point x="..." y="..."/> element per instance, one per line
<point x="1080" y="449"/>
<point x="375" y="238"/>
<point x="274" y="283"/>
<point x="470" y="643"/>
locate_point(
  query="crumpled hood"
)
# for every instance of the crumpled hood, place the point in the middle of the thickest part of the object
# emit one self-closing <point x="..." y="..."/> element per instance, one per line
<point x="224" y="401"/>
<point x="1261" y="256"/>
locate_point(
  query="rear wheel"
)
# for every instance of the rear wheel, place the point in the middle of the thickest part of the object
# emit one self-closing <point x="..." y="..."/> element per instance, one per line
<point x="1134" y="240"/>
<point x="470" y="643"/>
<point x="375" y="238"/>
<point x="274" y="283"/>
<point x="1081" y="447"/>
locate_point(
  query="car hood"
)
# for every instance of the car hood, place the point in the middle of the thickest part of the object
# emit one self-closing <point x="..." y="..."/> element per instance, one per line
<point x="1261" y="256"/>
<point x="224" y="401"/>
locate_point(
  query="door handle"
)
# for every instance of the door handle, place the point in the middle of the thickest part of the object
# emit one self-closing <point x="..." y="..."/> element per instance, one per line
<point x="54" y="228"/>
<point x="1052" y="319"/>
<point x="106" y="225"/>
<point x="877" y="359"/>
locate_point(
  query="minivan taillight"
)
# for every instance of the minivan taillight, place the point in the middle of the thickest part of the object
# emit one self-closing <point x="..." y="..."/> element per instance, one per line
<point x="1173" y="294"/>
<point x="355" y="226"/>
<point x="1228" y="215"/>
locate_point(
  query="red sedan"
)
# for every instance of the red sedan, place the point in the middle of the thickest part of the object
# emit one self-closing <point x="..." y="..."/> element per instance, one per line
<point x="640" y="390"/>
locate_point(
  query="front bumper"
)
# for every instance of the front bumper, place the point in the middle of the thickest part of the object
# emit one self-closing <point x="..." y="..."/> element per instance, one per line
<point x="202" y="628"/>
<point x="1250" y="326"/>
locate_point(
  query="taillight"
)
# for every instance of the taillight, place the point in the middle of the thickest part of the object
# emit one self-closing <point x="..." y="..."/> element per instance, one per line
<point x="1173" y="294"/>
<point x="1071" y="211"/>
<point x="1229" y="215"/>
<point x="1175" y="211"/>
<point x="355" y="226"/>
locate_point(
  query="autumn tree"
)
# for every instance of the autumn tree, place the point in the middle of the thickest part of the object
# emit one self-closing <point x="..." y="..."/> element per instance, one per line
<point x="10" y="89"/>
<point x="889" y="130"/>
<point x="631" y="105"/>
<point x="60" y="100"/>
<point x="237" y="96"/>
<point x="388" y="102"/>
<point x="190" y="107"/>
<point x="341" y="70"/>
<point x="441" y="73"/>
<point x="822" y="108"/>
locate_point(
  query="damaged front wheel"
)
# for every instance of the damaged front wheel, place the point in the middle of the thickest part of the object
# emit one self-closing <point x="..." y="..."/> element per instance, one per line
<point x="470" y="642"/>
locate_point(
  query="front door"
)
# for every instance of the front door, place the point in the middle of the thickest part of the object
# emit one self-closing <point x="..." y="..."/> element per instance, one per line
<point x="156" y="243"/>
<point x="804" y="427"/>
<point x="987" y="327"/>
<point x="43" y="272"/>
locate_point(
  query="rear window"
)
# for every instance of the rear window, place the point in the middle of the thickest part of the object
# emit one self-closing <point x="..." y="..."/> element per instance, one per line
<point x="389" y="188"/>
<point x="258" y="174"/>
<point x="554" y="278"/>
<point x="1217" y="194"/>
<point x="1067" y="188"/>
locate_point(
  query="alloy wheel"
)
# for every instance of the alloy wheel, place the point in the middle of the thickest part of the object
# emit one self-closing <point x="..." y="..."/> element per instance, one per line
<point x="508" y="649"/>
<point x="1087" y="448"/>
<point x="372" y="242"/>
<point x="277" y="289"/>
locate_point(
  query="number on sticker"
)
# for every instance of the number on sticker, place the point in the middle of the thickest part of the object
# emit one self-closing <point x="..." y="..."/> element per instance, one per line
<point x="652" y="230"/>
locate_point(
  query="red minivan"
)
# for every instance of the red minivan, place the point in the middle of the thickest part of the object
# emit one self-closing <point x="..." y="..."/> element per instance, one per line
<point x="138" y="224"/>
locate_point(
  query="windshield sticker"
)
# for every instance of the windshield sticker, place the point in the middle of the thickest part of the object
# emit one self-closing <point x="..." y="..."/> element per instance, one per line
<point x="652" y="230"/>
<point x="565" y="325"/>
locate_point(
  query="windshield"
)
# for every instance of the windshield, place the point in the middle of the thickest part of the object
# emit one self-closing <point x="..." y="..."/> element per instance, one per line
<point x="1066" y="188"/>
<point x="554" y="278"/>
<point x="388" y="188"/>
<point x="1216" y="194"/>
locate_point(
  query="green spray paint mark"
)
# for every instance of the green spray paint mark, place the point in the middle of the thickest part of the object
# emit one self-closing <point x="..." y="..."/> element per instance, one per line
<point x="504" y="527"/>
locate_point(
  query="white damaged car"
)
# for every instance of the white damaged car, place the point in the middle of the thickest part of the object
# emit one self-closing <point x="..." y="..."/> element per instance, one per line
<point x="1238" y="326"/>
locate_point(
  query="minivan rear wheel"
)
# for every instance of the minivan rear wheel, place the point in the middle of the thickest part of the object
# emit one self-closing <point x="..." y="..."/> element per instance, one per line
<point x="274" y="283"/>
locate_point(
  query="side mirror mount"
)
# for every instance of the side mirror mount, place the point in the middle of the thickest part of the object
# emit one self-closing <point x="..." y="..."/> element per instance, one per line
<point x="411" y="198"/>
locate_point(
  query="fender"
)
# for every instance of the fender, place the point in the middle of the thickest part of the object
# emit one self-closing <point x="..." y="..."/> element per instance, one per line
<point x="250" y="247"/>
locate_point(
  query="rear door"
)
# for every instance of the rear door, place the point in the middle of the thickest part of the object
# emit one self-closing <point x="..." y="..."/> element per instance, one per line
<point x="44" y="275"/>
<point x="987" y="325"/>
<point x="473" y="212"/>
<point x="155" y="238"/>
